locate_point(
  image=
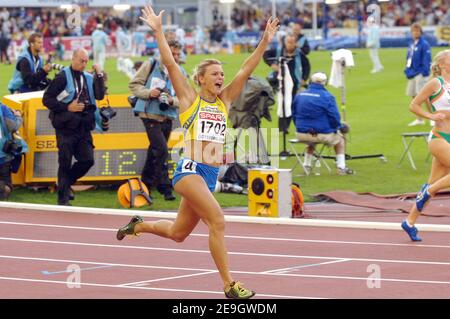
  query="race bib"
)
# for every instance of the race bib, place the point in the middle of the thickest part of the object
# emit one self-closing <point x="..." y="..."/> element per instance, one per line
<point x="211" y="127"/>
<point x="188" y="166"/>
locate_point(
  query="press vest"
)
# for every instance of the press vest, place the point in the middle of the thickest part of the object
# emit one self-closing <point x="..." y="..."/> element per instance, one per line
<point x="6" y="135"/>
<point x="152" y="106"/>
<point x="70" y="89"/>
<point x="16" y="83"/>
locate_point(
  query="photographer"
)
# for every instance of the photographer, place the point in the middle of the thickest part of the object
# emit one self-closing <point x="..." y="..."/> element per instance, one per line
<point x="71" y="98"/>
<point x="157" y="107"/>
<point x="30" y="73"/>
<point x="298" y="68"/>
<point x="317" y="121"/>
<point x="11" y="148"/>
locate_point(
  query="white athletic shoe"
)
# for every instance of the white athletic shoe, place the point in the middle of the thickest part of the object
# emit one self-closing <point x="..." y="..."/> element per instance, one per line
<point x="417" y="122"/>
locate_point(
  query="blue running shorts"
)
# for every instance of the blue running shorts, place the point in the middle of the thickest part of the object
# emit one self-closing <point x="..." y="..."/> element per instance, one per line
<point x="187" y="166"/>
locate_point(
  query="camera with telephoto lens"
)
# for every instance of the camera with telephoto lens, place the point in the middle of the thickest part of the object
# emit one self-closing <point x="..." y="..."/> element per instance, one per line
<point x="12" y="146"/>
<point x="164" y="103"/>
<point x="55" y="66"/>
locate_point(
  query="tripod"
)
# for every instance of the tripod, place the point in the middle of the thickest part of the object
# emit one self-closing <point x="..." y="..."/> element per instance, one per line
<point x="282" y="62"/>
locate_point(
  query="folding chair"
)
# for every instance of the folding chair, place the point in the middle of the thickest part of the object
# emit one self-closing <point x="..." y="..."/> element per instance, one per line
<point x="317" y="156"/>
<point x="407" y="145"/>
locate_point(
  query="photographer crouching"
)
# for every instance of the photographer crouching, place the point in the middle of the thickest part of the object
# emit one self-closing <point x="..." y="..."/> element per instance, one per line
<point x="157" y="106"/>
<point x="11" y="148"/>
<point x="71" y="98"/>
<point x="30" y="73"/>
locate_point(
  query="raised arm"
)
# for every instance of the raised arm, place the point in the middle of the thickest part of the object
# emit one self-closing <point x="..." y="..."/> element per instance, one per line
<point x="185" y="93"/>
<point x="232" y="91"/>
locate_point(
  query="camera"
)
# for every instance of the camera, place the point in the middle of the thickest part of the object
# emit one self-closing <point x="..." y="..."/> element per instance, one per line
<point x="164" y="103"/>
<point x="55" y="66"/>
<point x="132" y="99"/>
<point x="107" y="113"/>
<point x="12" y="147"/>
<point x="272" y="78"/>
<point x="89" y="108"/>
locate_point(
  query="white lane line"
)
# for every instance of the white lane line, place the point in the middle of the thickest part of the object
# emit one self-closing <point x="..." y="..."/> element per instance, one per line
<point x="232" y="271"/>
<point x="38" y="208"/>
<point x="243" y="237"/>
<point x="145" y="282"/>
<point x="286" y="270"/>
<point x="101" y="263"/>
<point x="144" y="288"/>
<point x="230" y="253"/>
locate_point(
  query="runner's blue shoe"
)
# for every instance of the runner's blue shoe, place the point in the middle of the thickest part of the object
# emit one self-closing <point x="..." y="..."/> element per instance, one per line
<point x="411" y="231"/>
<point x="422" y="197"/>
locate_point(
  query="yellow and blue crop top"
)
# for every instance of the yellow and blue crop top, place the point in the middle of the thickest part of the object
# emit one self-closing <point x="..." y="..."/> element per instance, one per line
<point x="205" y="121"/>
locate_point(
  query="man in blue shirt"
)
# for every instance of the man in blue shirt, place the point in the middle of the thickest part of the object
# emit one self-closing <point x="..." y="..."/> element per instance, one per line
<point x="317" y="121"/>
<point x="418" y="62"/>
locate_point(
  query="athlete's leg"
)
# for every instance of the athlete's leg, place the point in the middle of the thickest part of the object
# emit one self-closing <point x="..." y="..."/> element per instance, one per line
<point x="194" y="189"/>
<point x="176" y="230"/>
<point x="439" y="178"/>
<point x="440" y="149"/>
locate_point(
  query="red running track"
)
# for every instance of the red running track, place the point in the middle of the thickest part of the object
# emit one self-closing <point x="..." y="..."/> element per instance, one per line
<point x="39" y="250"/>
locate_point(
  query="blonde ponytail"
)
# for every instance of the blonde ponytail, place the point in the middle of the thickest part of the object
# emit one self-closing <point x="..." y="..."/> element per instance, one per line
<point x="438" y="59"/>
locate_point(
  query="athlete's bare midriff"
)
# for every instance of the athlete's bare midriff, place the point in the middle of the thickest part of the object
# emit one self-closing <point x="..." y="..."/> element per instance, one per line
<point x="444" y="125"/>
<point x="210" y="153"/>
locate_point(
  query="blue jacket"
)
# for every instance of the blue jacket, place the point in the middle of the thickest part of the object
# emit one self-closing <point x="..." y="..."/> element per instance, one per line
<point x="420" y="56"/>
<point x="315" y="109"/>
<point x="9" y="123"/>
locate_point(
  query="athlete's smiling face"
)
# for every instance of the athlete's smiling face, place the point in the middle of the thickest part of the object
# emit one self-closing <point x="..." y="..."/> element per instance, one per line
<point x="213" y="79"/>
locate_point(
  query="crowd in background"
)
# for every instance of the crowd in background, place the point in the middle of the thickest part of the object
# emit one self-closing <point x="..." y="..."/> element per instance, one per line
<point x="18" y="23"/>
<point x="54" y="21"/>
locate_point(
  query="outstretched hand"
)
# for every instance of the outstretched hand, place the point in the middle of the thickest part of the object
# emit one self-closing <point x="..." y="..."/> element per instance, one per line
<point x="271" y="29"/>
<point x="153" y="21"/>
